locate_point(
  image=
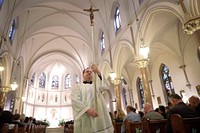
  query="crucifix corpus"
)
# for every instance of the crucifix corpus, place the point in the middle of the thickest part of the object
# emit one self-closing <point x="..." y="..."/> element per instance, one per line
<point x="91" y="10"/>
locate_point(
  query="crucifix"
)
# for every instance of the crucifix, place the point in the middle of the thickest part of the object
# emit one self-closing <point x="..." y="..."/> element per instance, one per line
<point x="91" y="10"/>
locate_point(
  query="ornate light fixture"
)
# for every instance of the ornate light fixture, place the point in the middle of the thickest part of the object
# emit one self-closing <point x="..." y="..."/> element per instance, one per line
<point x="144" y="53"/>
<point x="144" y="50"/>
<point x="14" y="86"/>
<point x="112" y="74"/>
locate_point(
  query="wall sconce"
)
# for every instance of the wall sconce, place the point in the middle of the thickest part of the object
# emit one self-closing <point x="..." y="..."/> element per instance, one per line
<point x="113" y="78"/>
<point x="14" y="86"/>
<point x="23" y="98"/>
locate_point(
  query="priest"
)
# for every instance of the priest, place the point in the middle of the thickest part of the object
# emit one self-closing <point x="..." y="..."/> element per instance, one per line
<point x="89" y="108"/>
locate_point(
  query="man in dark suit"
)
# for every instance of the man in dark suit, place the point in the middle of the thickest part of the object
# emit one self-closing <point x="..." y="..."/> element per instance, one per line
<point x="179" y="107"/>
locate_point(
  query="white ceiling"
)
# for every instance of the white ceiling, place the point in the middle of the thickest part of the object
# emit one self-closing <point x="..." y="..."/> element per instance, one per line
<point x="58" y="32"/>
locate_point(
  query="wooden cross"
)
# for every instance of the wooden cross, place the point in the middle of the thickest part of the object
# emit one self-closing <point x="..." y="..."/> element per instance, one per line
<point x="91" y="10"/>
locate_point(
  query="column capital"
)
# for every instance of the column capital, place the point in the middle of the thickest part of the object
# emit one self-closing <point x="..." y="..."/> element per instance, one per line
<point x="142" y="63"/>
<point x="5" y="89"/>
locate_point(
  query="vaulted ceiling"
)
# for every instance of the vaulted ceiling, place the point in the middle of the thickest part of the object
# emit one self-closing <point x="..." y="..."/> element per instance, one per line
<point x="53" y="33"/>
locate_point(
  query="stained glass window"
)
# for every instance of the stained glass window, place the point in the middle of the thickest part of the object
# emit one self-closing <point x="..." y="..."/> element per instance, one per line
<point x="198" y="52"/>
<point x="67" y="81"/>
<point x="102" y="42"/>
<point x="141" y="92"/>
<point x="12" y="31"/>
<point x="124" y="96"/>
<point x="12" y="101"/>
<point x="117" y="20"/>
<point x="140" y="1"/>
<point x="1" y="3"/>
<point x="42" y="80"/>
<point x="167" y="81"/>
<point x="77" y="79"/>
<point x="55" y="82"/>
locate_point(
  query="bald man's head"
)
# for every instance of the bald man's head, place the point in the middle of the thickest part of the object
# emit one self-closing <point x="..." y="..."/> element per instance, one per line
<point x="194" y="101"/>
<point x="147" y="108"/>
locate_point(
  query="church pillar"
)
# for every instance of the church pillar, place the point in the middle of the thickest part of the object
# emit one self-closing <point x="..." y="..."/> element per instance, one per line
<point x="118" y="96"/>
<point x="2" y="99"/>
<point x="22" y="97"/>
<point x="142" y="64"/>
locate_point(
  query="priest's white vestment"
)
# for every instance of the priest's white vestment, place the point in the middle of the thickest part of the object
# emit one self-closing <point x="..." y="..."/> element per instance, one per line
<point x="83" y="98"/>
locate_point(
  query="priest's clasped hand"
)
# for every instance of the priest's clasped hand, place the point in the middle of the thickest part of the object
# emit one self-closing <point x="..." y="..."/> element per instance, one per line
<point x="95" y="69"/>
<point x="92" y="112"/>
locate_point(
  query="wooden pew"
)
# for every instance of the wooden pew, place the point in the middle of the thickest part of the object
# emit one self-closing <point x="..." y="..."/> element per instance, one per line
<point x="151" y="126"/>
<point x="117" y="126"/>
<point x="5" y="129"/>
<point x="28" y="129"/>
<point x="131" y="127"/>
<point x="22" y="129"/>
<point x="41" y="128"/>
<point x="185" y="125"/>
<point x="14" y="130"/>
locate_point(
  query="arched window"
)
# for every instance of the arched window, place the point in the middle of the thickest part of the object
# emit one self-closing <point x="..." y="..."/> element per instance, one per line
<point x="198" y="52"/>
<point x="167" y="81"/>
<point x="141" y="92"/>
<point x="32" y="79"/>
<point x="12" y="31"/>
<point x="77" y="79"/>
<point x="102" y="42"/>
<point x="55" y="82"/>
<point x="42" y="80"/>
<point x="1" y="3"/>
<point x="12" y="101"/>
<point x="117" y="19"/>
<point x="124" y="96"/>
<point x="140" y="1"/>
<point x="67" y="81"/>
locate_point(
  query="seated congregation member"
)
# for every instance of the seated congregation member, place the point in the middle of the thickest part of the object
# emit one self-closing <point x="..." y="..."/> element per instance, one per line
<point x="161" y="110"/>
<point x="131" y="116"/>
<point x="6" y="117"/>
<point x="179" y="107"/>
<point x="16" y="120"/>
<point x="195" y="103"/>
<point x="28" y="121"/>
<point x="120" y="115"/>
<point x="141" y="114"/>
<point x="150" y="113"/>
<point x="22" y="117"/>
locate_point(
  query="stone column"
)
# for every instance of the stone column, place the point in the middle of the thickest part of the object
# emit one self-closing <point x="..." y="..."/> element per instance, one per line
<point x="4" y="91"/>
<point x="118" y="96"/>
<point x="142" y="64"/>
